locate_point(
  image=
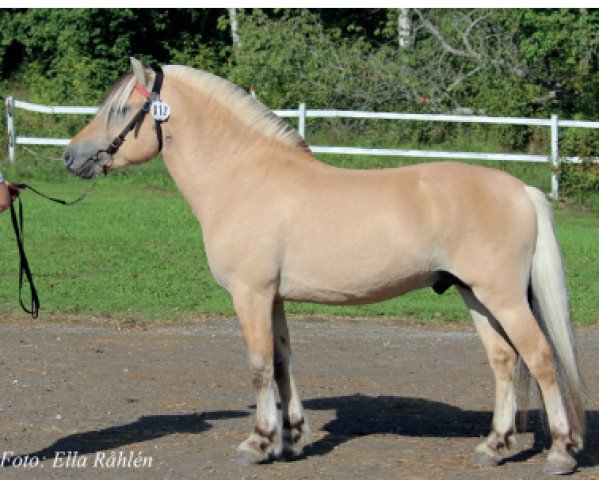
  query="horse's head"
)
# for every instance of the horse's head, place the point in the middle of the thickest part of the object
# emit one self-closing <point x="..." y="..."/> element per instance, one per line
<point x="93" y="148"/>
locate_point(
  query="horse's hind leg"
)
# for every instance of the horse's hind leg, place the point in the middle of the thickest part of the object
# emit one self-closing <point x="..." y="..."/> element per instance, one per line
<point x="517" y="320"/>
<point x="296" y="432"/>
<point x="254" y="310"/>
<point x="502" y="359"/>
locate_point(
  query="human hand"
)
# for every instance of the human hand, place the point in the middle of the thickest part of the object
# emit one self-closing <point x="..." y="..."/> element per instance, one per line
<point x="8" y="193"/>
<point x="14" y="191"/>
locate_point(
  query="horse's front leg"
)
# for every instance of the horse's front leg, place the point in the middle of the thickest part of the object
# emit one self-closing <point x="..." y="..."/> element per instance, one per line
<point x="254" y="310"/>
<point x="296" y="431"/>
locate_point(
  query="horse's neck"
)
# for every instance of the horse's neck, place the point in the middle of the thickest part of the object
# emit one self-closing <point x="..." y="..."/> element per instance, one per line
<point x="200" y="174"/>
<point x="210" y="153"/>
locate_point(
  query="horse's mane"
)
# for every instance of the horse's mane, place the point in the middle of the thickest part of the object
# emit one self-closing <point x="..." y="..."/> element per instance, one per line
<point x="252" y="112"/>
<point x="249" y="110"/>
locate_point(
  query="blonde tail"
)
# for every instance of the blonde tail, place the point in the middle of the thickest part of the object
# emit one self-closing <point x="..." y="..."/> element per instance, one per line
<point x="551" y="307"/>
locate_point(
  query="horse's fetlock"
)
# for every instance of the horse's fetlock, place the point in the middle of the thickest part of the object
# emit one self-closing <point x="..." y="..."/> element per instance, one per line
<point x="498" y="440"/>
<point x="562" y="443"/>
<point x="296" y="434"/>
<point x="268" y="435"/>
<point x="510" y="441"/>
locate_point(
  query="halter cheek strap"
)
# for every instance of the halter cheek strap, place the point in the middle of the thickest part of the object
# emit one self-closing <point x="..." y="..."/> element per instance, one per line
<point x="151" y="97"/>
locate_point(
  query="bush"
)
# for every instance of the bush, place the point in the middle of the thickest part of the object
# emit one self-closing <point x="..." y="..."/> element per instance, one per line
<point x="580" y="182"/>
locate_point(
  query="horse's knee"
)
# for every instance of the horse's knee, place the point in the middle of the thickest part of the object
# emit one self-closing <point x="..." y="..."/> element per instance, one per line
<point x="262" y="373"/>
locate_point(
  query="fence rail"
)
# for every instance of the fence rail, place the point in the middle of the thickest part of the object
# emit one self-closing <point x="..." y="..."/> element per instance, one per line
<point x="302" y="114"/>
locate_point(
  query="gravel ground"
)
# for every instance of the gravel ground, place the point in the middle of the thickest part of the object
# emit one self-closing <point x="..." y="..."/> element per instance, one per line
<point x="88" y="399"/>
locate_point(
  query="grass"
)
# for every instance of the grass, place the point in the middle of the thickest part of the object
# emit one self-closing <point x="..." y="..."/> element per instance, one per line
<point x="133" y="250"/>
<point x="578" y="235"/>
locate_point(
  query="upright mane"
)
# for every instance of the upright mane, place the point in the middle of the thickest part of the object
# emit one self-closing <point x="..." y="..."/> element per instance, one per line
<point x="249" y="110"/>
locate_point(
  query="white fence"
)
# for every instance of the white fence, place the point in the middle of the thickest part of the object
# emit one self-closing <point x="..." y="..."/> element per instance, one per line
<point x="302" y="114"/>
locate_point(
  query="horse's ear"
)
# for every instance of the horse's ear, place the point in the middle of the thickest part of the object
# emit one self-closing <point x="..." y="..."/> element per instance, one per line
<point x="138" y="71"/>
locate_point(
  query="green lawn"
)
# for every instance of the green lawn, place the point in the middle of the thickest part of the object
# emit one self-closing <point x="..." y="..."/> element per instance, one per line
<point x="133" y="250"/>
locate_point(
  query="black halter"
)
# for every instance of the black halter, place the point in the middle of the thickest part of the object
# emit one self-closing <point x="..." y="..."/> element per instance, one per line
<point x="152" y="96"/>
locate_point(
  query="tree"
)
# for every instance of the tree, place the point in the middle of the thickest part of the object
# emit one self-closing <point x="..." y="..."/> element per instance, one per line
<point x="73" y="55"/>
<point x="233" y="23"/>
<point x="560" y="49"/>
<point x="404" y="27"/>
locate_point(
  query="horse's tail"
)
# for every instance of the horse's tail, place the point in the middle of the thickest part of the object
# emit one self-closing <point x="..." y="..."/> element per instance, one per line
<point x="550" y="305"/>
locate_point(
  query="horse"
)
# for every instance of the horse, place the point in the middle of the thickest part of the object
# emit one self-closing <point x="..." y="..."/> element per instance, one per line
<point x="279" y="225"/>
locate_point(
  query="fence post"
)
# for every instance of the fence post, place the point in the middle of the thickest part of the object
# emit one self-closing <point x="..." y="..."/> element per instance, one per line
<point x="301" y="125"/>
<point x="10" y="108"/>
<point x="554" y="157"/>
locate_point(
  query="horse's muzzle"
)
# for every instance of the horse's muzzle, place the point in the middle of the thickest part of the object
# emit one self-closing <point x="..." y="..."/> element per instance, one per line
<point x="81" y="162"/>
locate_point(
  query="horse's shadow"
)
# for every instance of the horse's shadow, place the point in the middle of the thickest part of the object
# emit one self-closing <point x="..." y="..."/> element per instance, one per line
<point x="143" y="429"/>
<point x="356" y="416"/>
<point x="359" y="415"/>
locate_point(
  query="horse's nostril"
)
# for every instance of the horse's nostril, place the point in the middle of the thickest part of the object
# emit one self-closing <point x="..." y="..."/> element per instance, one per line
<point x="67" y="158"/>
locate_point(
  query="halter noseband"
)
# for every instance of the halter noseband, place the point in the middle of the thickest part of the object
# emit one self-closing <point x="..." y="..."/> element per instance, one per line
<point x="151" y="97"/>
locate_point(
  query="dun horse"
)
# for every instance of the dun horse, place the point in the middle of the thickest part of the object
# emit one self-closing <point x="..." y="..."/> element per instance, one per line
<point x="279" y="225"/>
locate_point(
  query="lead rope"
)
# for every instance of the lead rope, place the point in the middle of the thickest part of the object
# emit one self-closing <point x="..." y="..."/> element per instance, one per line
<point x="66" y="203"/>
<point x="17" y="224"/>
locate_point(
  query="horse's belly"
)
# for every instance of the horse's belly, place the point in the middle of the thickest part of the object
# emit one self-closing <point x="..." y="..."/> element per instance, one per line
<point x="303" y="293"/>
<point x="341" y="287"/>
<point x="336" y="263"/>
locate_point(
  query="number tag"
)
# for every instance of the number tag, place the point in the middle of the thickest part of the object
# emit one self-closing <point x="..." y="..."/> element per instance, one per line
<point x="160" y="110"/>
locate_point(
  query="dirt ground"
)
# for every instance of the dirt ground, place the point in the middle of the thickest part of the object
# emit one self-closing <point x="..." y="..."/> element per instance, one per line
<point x="86" y="399"/>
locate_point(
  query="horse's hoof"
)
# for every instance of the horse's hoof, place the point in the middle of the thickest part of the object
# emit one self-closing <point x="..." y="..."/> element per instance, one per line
<point x="560" y="464"/>
<point x="485" y="458"/>
<point x="245" y="457"/>
<point x="292" y="450"/>
<point x="258" y="449"/>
